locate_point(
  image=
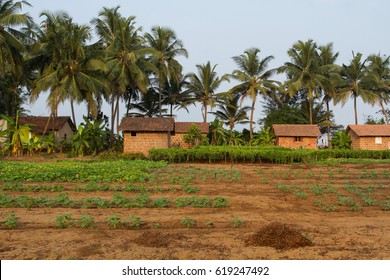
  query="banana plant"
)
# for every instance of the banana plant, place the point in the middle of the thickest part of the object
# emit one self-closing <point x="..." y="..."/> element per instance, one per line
<point x="17" y="135"/>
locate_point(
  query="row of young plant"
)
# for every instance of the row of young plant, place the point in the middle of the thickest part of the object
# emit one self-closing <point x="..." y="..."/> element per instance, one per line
<point x="117" y="201"/>
<point x="114" y="221"/>
<point x="260" y="154"/>
<point x="78" y="171"/>
<point x="95" y="187"/>
<point x="355" y="199"/>
<point x="331" y="173"/>
<point x="186" y="175"/>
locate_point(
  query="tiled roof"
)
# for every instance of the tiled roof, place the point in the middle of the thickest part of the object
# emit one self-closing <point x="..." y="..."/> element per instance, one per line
<point x="142" y="124"/>
<point x="38" y="124"/>
<point x="183" y="127"/>
<point x="296" y="130"/>
<point x="370" y="129"/>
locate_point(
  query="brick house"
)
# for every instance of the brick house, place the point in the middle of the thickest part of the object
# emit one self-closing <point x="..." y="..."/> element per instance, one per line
<point x="296" y="136"/>
<point x="369" y="136"/>
<point x="181" y="129"/>
<point x="63" y="127"/>
<point x="142" y="134"/>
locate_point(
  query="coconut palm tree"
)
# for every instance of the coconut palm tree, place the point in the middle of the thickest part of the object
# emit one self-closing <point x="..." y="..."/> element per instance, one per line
<point x="327" y="61"/>
<point x="13" y="74"/>
<point x="71" y="73"/>
<point x="148" y="106"/>
<point x="254" y="77"/>
<point x="11" y="45"/>
<point x="175" y="95"/>
<point x="203" y="86"/>
<point x="379" y="71"/>
<point x="305" y="72"/>
<point x="166" y="48"/>
<point x="125" y="56"/>
<point x="230" y="113"/>
<point x="356" y="83"/>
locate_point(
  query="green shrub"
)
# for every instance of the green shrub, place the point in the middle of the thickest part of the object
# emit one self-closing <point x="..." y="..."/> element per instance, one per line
<point x="237" y="222"/>
<point x="64" y="221"/>
<point x="188" y="222"/>
<point x="190" y="189"/>
<point x="86" y="221"/>
<point x="341" y="140"/>
<point x="114" y="221"/>
<point x="11" y="220"/>
<point x="134" y="221"/>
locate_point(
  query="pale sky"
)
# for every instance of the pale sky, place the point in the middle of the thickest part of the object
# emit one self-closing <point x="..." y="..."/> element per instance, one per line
<point x="215" y="31"/>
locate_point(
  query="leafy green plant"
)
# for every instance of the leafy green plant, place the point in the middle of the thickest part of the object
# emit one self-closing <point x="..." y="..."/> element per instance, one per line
<point x="220" y="202"/>
<point x="237" y="222"/>
<point x="356" y="206"/>
<point x="301" y="194"/>
<point x="209" y="224"/>
<point x="188" y="222"/>
<point x="329" y="208"/>
<point x="86" y="221"/>
<point x="386" y="205"/>
<point x="317" y="190"/>
<point x="194" y="137"/>
<point x="11" y="220"/>
<point x="190" y="189"/>
<point x="341" y="140"/>
<point x="64" y="221"/>
<point x="161" y="202"/>
<point x="134" y="221"/>
<point x="368" y="201"/>
<point x="114" y="221"/>
<point x="346" y="201"/>
<point x="17" y="135"/>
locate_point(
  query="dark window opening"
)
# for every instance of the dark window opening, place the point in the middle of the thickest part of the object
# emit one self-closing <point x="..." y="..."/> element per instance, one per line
<point x="298" y="139"/>
<point x="133" y="133"/>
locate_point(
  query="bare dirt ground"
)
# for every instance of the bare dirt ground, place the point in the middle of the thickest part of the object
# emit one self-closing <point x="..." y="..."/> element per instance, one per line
<point x="325" y="228"/>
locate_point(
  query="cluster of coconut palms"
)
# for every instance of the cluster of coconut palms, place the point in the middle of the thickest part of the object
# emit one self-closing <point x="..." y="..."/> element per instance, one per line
<point x="142" y="70"/>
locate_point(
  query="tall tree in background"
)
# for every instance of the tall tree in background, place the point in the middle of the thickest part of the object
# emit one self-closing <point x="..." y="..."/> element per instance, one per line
<point x="327" y="61"/>
<point x="70" y="74"/>
<point x="12" y="50"/>
<point x="254" y="77"/>
<point x="125" y="56"/>
<point x="166" y="48"/>
<point x="203" y="86"/>
<point x="176" y="96"/>
<point x="305" y="73"/>
<point x="356" y="83"/>
<point x="230" y="113"/>
<point x="379" y="71"/>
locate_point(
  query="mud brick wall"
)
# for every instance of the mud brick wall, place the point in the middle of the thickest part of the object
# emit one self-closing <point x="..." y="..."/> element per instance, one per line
<point x="178" y="141"/>
<point x="290" y="142"/>
<point x="144" y="141"/>
<point x="368" y="143"/>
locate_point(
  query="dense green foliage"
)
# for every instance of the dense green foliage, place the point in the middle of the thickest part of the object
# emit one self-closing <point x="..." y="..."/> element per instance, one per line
<point x="82" y="171"/>
<point x="260" y="154"/>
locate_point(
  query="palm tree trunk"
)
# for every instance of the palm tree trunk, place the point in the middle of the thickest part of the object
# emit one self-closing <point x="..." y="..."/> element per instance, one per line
<point x="112" y="119"/>
<point x="311" y="110"/>
<point x="231" y="135"/>
<point x="72" y="109"/>
<point x="328" y="125"/>
<point x="355" y="109"/>
<point x="159" y="100"/>
<point x="251" y="122"/>
<point x="47" y="124"/>
<point x="117" y="114"/>
<point x="205" y="113"/>
<point x="384" y="111"/>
